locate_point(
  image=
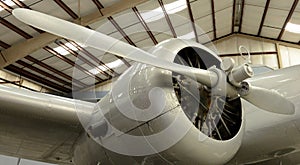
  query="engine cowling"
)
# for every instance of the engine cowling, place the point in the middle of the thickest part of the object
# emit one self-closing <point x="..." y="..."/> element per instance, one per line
<point x="152" y="113"/>
<point x="213" y="116"/>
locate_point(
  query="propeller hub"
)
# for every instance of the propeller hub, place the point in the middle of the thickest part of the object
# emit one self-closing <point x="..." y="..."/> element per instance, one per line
<point x="239" y="74"/>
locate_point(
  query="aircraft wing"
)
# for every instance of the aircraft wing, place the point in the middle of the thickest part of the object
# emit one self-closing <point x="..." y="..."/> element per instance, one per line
<point x="38" y="126"/>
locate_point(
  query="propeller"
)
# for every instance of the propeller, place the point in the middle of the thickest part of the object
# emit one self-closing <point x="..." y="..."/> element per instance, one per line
<point x="106" y="43"/>
<point x="270" y="100"/>
<point x="257" y="96"/>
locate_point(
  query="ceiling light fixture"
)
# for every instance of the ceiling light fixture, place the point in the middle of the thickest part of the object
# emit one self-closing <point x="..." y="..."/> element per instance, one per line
<point x="171" y="8"/>
<point x="114" y="64"/>
<point x="188" y="36"/>
<point x="9" y="3"/>
<point x="64" y="52"/>
<point x="291" y="27"/>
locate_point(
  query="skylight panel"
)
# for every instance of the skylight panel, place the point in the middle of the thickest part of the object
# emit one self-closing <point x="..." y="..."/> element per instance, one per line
<point x="293" y="28"/>
<point x="65" y="52"/>
<point x="9" y="3"/>
<point x="114" y="64"/>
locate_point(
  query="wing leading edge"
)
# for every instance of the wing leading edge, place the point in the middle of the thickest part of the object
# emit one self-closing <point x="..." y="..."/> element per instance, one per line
<point x="39" y="126"/>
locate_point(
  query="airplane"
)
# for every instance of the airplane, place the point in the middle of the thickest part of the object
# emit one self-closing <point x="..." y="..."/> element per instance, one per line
<point x="178" y="104"/>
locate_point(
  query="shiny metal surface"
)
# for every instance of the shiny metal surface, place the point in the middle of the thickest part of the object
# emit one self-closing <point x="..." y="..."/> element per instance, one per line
<point x="269" y="133"/>
<point x="46" y="128"/>
<point x="38" y="126"/>
<point x="182" y="144"/>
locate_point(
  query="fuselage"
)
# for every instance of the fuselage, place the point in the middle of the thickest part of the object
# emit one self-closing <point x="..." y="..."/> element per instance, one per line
<point x="268" y="135"/>
<point x="47" y="125"/>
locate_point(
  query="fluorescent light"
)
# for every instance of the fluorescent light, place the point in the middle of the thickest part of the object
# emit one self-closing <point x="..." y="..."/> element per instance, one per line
<point x="61" y="50"/>
<point x="72" y="46"/>
<point x="294" y="28"/>
<point x="188" y="36"/>
<point x="8" y="3"/>
<point x="171" y="8"/>
<point x="176" y="6"/>
<point x="64" y="52"/>
<point x="114" y="64"/>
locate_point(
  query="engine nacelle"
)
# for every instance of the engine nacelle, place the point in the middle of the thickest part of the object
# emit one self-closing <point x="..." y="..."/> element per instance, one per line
<point x="152" y="113"/>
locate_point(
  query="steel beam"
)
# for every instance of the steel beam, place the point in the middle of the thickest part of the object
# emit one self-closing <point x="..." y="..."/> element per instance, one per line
<point x="36" y="78"/>
<point x="101" y="9"/>
<point x="66" y="9"/>
<point x="87" y="53"/>
<point x="213" y="18"/>
<point x="55" y="71"/>
<point x="21" y="4"/>
<point x="263" y="17"/>
<point x="233" y="16"/>
<point x="242" y="15"/>
<point x="251" y="53"/>
<point x="72" y="63"/>
<point x="37" y="70"/>
<point x="288" y="19"/>
<point x="143" y="22"/>
<point x="22" y="49"/>
<point x="5" y="6"/>
<point x="80" y="57"/>
<point x="192" y="19"/>
<point x="14" y="28"/>
<point x="167" y="18"/>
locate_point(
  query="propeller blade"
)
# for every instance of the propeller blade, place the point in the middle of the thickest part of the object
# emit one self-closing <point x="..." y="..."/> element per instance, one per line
<point x="106" y="43"/>
<point x="257" y="96"/>
<point x="269" y="100"/>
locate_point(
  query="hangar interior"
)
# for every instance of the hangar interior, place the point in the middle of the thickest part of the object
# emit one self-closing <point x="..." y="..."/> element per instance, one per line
<point x="38" y="61"/>
<point x="33" y="59"/>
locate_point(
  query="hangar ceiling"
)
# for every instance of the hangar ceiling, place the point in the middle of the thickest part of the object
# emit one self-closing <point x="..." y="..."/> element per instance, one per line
<point x="49" y="60"/>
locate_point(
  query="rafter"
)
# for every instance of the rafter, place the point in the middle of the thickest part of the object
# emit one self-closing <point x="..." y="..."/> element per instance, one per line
<point x="80" y="57"/>
<point x="37" y="70"/>
<point x="192" y="19"/>
<point x="14" y="28"/>
<point x="21" y="4"/>
<point x="36" y="78"/>
<point x="22" y="49"/>
<point x="101" y="10"/>
<point x="288" y="19"/>
<point x="66" y="8"/>
<point x="98" y="4"/>
<point x="87" y="53"/>
<point x="167" y="18"/>
<point x="27" y="36"/>
<point x="17" y="84"/>
<point x="213" y="18"/>
<point x="144" y="24"/>
<point x="72" y="63"/>
<point x="5" y="6"/>
<point x="218" y="39"/>
<point x="5" y="45"/>
<point x="260" y="39"/>
<point x="233" y="16"/>
<point x="263" y="17"/>
<point x="241" y="15"/>
<point x="116" y="25"/>
<point x="30" y="58"/>
<point x="252" y="53"/>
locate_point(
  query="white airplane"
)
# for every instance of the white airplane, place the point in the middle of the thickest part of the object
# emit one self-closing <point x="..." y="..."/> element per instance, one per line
<point x="179" y="104"/>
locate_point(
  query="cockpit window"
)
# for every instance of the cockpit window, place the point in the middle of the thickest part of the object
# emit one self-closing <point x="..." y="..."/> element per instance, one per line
<point x="261" y="69"/>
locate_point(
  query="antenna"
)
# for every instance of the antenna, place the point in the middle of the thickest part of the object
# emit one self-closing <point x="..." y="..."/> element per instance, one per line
<point x="246" y="58"/>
